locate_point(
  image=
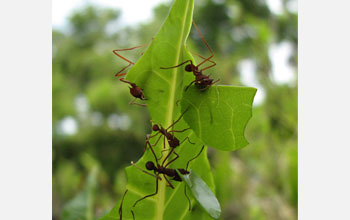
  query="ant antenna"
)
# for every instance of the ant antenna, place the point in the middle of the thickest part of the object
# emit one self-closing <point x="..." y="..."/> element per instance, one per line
<point x="121" y="206"/>
<point x="206" y="44"/>
<point x="156" y="176"/>
<point x="188" y="162"/>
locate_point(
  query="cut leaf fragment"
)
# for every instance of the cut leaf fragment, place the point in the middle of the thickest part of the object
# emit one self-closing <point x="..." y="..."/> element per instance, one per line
<point x="219" y="115"/>
<point x="203" y="194"/>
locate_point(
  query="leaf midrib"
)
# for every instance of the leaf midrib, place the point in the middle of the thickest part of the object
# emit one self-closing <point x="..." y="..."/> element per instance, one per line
<point x="169" y="117"/>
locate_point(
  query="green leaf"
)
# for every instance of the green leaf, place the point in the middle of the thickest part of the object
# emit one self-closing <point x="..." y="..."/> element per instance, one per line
<point x="219" y="115"/>
<point x="81" y="207"/>
<point x="202" y="193"/>
<point x="162" y="89"/>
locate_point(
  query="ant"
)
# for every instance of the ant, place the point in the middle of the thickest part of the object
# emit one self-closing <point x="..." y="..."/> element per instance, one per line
<point x="169" y="136"/>
<point x="202" y="82"/>
<point x="135" y="91"/>
<point x="166" y="172"/>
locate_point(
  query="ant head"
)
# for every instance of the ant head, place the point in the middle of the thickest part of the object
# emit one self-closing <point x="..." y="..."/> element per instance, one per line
<point x="150" y="165"/>
<point x="155" y="127"/>
<point x="189" y="67"/>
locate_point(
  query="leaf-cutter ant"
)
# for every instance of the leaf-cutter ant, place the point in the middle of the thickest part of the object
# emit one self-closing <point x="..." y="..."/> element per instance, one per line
<point x="202" y="82"/>
<point x="166" y="172"/>
<point x="135" y="91"/>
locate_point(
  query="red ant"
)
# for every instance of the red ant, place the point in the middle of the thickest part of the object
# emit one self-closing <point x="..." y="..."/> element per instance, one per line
<point x="169" y="136"/>
<point x="202" y="82"/>
<point x="135" y="91"/>
<point x="160" y="169"/>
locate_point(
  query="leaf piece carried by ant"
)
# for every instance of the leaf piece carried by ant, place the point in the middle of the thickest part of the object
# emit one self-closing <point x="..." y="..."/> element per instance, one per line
<point x="220" y="115"/>
<point x="202" y="193"/>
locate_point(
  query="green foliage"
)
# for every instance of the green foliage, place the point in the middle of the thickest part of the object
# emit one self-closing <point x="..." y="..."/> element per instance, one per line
<point x="81" y="207"/>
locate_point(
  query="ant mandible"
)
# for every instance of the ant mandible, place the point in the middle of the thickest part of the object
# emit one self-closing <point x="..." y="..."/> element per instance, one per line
<point x="202" y="82"/>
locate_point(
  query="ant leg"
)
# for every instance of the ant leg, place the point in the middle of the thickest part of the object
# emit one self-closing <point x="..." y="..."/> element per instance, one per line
<point x="188" y="162"/>
<point x="164" y="142"/>
<point x="177" y="102"/>
<point x="155" y="144"/>
<point x="205" y="88"/>
<point x="190" y="85"/>
<point x="167" y="156"/>
<point x="121" y="206"/>
<point x="144" y="171"/>
<point x="153" y="135"/>
<point x="202" y="57"/>
<point x="132" y="102"/>
<point x="126" y="49"/>
<point x="175" y="158"/>
<point x="216" y="81"/>
<point x="189" y="201"/>
<point x="125" y="81"/>
<point x="169" y="183"/>
<point x="125" y="59"/>
<point x="177" y="65"/>
<point x="133" y="215"/>
<point x="122" y="74"/>
<point x="148" y="195"/>
<point x="208" y="67"/>
<point x="206" y="44"/>
<point x="154" y="154"/>
<point x="177" y="120"/>
<point x="187" y="139"/>
<point x="182" y="130"/>
<point x="162" y="153"/>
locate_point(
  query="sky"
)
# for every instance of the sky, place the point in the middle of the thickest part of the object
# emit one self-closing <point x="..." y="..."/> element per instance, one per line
<point x="131" y="14"/>
<point x="133" y="11"/>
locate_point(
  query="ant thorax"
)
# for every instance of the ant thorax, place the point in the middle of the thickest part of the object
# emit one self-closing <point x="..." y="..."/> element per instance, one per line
<point x="200" y="76"/>
<point x="163" y="131"/>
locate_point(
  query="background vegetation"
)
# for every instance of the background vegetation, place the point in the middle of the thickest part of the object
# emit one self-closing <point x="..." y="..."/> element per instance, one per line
<point x="93" y="125"/>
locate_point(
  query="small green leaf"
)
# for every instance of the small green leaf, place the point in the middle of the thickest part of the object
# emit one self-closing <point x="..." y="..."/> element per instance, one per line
<point x="202" y="193"/>
<point x="219" y="115"/>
